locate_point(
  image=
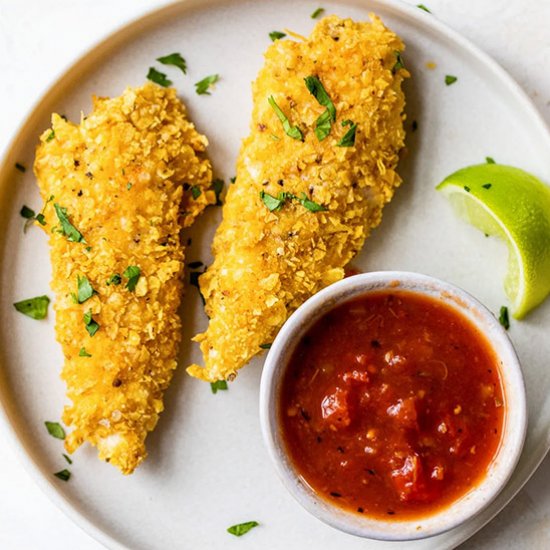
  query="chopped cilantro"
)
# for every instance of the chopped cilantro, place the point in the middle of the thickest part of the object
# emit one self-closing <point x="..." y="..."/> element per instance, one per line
<point x="218" y="386"/>
<point x="323" y="123"/>
<point x="114" y="279"/>
<point x="486" y="186"/>
<point x="55" y="429"/>
<point x="67" y="228"/>
<point x="265" y="346"/>
<point x="503" y="317"/>
<point x="291" y="131"/>
<point x="233" y="179"/>
<point x="275" y="203"/>
<point x="132" y="273"/>
<point x="202" y="86"/>
<point x="91" y="326"/>
<point x="50" y="136"/>
<point x="242" y="528"/>
<point x="174" y="59"/>
<point x="399" y="63"/>
<point x="66" y="457"/>
<point x="467" y="189"/>
<point x="423" y="7"/>
<point x="217" y="186"/>
<point x="348" y="140"/>
<point x="36" y="308"/>
<point x="128" y="186"/>
<point x="20" y="167"/>
<point x="64" y="475"/>
<point x="41" y="219"/>
<point x="83" y="353"/>
<point x="195" y="192"/>
<point x="276" y="35"/>
<point x="158" y="78"/>
<point x="85" y="290"/>
<point x="490" y="160"/>
<point x="317" y="13"/>
<point x="272" y="203"/>
<point x="450" y="79"/>
<point x="310" y="205"/>
<point x="27" y="213"/>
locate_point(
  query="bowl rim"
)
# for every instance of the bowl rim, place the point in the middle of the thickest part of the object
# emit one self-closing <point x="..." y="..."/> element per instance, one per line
<point x="514" y="425"/>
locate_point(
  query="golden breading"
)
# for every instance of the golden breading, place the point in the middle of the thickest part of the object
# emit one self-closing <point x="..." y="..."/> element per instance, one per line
<point x="120" y="177"/>
<point x="268" y="263"/>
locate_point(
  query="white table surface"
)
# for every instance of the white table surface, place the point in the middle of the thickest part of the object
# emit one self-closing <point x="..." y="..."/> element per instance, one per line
<point x="39" y="39"/>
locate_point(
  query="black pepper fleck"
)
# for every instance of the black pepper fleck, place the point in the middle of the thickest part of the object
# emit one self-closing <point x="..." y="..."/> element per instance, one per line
<point x="117" y="382"/>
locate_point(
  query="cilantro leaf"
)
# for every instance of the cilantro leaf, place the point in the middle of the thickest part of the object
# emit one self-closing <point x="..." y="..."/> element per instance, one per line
<point x="64" y="475"/>
<point x="348" y="140"/>
<point x="423" y="7"/>
<point x="487" y="185"/>
<point x="218" y="386"/>
<point x="503" y="317"/>
<point x="291" y="131"/>
<point x="202" y="86"/>
<point x="27" y="213"/>
<point x="217" y="186"/>
<point x="91" y="326"/>
<point x="114" y="279"/>
<point x="158" y="78"/>
<point x="66" y="457"/>
<point x="67" y="228"/>
<point x="85" y="290"/>
<point x="36" y="308"/>
<point x="317" y="13"/>
<point x="174" y="59"/>
<point x="490" y="160"/>
<point x="399" y="63"/>
<point x="317" y="90"/>
<point x="55" y="429"/>
<point x="276" y="35"/>
<point x="323" y="126"/>
<point x="50" y="136"/>
<point x="272" y="203"/>
<point x="310" y="205"/>
<point x="450" y="79"/>
<point x="242" y="528"/>
<point x="195" y="192"/>
<point x="265" y="346"/>
<point x="83" y="353"/>
<point x="132" y="273"/>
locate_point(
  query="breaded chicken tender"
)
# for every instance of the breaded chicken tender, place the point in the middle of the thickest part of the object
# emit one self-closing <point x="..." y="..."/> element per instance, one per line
<point x="303" y="204"/>
<point x="118" y="188"/>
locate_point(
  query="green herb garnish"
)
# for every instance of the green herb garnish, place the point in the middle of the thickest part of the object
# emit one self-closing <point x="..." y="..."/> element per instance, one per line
<point x="67" y="458"/>
<point x="67" y="228"/>
<point x="85" y="290"/>
<point x="317" y="13"/>
<point x="323" y="123"/>
<point x="242" y="528"/>
<point x="84" y="353"/>
<point x="233" y="179"/>
<point x="310" y="205"/>
<point x="55" y="429"/>
<point x="217" y="186"/>
<point x="202" y="86"/>
<point x="275" y="203"/>
<point x="348" y="140"/>
<point x="36" y="308"/>
<point x="423" y="7"/>
<point x="158" y="78"/>
<point x="64" y="475"/>
<point x="174" y="59"/>
<point x="265" y="346"/>
<point x="467" y="189"/>
<point x="399" y="63"/>
<point x="487" y="185"/>
<point x="195" y="192"/>
<point x="450" y="79"/>
<point x="27" y="213"/>
<point x="218" y="385"/>
<point x="132" y="273"/>
<point x="50" y="136"/>
<point x="128" y="186"/>
<point x="490" y="160"/>
<point x="91" y="326"/>
<point x="503" y="317"/>
<point x="291" y="131"/>
<point x="20" y="167"/>
<point x="276" y="35"/>
<point x="114" y="279"/>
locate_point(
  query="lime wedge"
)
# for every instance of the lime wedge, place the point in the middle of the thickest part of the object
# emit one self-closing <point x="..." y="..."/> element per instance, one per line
<point x="511" y="204"/>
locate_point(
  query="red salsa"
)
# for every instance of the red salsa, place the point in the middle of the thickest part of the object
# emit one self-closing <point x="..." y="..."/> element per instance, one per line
<point x="392" y="405"/>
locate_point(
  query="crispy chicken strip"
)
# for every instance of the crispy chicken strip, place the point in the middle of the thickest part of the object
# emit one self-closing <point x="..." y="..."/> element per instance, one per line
<point x="118" y="188"/>
<point x="269" y="259"/>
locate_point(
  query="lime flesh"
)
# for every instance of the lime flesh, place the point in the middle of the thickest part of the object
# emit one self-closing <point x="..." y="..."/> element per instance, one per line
<point x="511" y="204"/>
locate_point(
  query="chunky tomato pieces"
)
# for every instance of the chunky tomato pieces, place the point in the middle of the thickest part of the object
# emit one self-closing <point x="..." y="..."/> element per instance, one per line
<point x="392" y="405"/>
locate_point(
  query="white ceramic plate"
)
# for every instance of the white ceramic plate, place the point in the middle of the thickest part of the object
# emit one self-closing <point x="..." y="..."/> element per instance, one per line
<point x="207" y="468"/>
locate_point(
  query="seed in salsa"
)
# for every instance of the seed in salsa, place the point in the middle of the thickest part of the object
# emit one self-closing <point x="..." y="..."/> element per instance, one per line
<point x="392" y="405"/>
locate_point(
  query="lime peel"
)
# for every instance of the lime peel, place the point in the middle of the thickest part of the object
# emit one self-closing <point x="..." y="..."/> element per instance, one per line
<point x="513" y="205"/>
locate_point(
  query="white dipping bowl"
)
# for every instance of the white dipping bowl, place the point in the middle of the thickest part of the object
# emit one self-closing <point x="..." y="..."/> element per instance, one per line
<point x="514" y="424"/>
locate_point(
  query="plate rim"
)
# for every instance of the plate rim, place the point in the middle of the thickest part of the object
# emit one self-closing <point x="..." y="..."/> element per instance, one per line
<point x="82" y="64"/>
